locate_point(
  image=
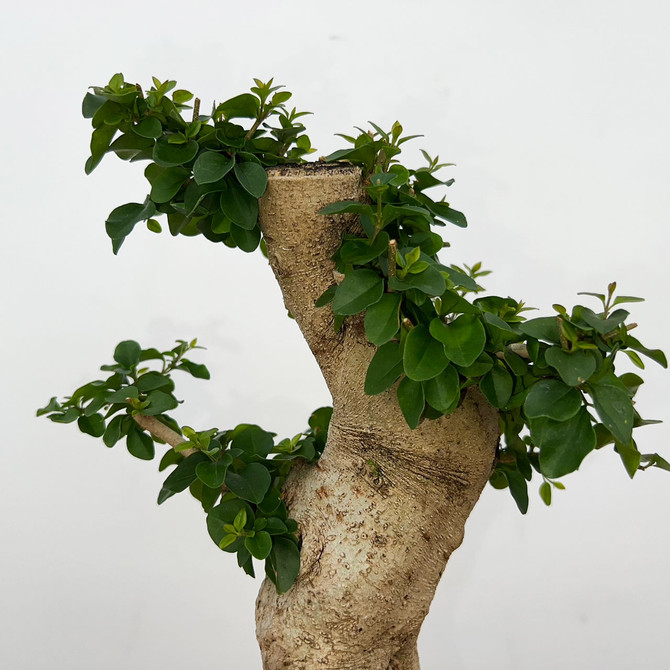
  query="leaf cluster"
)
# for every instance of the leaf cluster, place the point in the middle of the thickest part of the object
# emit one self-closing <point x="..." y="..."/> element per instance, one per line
<point x="206" y="174"/>
<point x="237" y="474"/>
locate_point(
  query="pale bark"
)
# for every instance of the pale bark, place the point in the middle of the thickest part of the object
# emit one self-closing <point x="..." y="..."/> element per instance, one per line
<point x="385" y="506"/>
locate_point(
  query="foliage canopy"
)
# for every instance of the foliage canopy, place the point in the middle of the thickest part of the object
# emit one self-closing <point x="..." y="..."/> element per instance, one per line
<point x="552" y="378"/>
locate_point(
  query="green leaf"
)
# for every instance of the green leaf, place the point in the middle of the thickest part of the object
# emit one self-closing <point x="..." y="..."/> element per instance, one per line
<point x="197" y="370"/>
<point x="52" y="406"/>
<point x="182" y="476"/>
<point x="91" y="104"/>
<point x="362" y="251"/>
<point x="463" y="339"/>
<point x="100" y="141"/>
<point x="254" y="440"/>
<point x="213" y="474"/>
<point x="412" y="401"/>
<point x="260" y="545"/>
<point x="159" y="403"/>
<point x="615" y="409"/>
<point x="518" y="487"/>
<point x="543" y="328"/>
<point x="149" y="127"/>
<point x="92" y="425"/>
<point x="384" y="369"/>
<point x="563" y="444"/>
<point x="168" y="154"/>
<point x="574" y="367"/>
<point x="382" y="319"/>
<point x="601" y="325"/>
<point x="497" y="386"/>
<point x="114" y="430"/>
<point x="151" y="381"/>
<point x="224" y="513"/>
<point x="122" y="394"/>
<point x="552" y="399"/>
<point x="656" y="355"/>
<point x="479" y="368"/>
<point x="545" y="493"/>
<point x="68" y="416"/>
<point x="211" y="166"/>
<point x="246" y="240"/>
<point x="123" y="219"/>
<point x="284" y="563"/>
<point x="630" y="457"/>
<point x="168" y="183"/>
<point x="127" y="353"/>
<point x="239" y="206"/>
<point x="244" y="106"/>
<point x="358" y="290"/>
<point x="250" y="482"/>
<point x="140" y="445"/>
<point x="430" y="281"/>
<point x="252" y="177"/>
<point x="443" y="211"/>
<point x="424" y="356"/>
<point x="443" y="391"/>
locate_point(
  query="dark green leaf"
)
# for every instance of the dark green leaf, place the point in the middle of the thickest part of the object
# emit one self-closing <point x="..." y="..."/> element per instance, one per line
<point x="224" y="513"/>
<point x="122" y="394"/>
<point x="656" y="355"/>
<point x="151" y="381"/>
<point x="563" y="444"/>
<point x="114" y="430"/>
<point x="284" y="563"/>
<point x="168" y="154"/>
<point x="182" y="476"/>
<point x="243" y="106"/>
<point x="518" y="487"/>
<point x="100" y="141"/>
<point x="360" y="289"/>
<point x="326" y="297"/>
<point x="463" y="339"/>
<point x="127" y="353"/>
<point x="347" y="207"/>
<point x="424" y="356"/>
<point x="443" y="211"/>
<point x="213" y="474"/>
<point x="211" y="166"/>
<point x="382" y="319"/>
<point x="574" y="367"/>
<point x="260" y="545"/>
<point x="254" y="440"/>
<point x="479" y="368"/>
<point x="91" y="104"/>
<point x="149" y="127"/>
<point x="52" y="406"/>
<point x="443" y="391"/>
<point x="239" y="206"/>
<point x="68" y="416"/>
<point x="159" y="402"/>
<point x="497" y="386"/>
<point x="246" y="240"/>
<point x="92" y="425"/>
<point x="197" y="370"/>
<point x="252" y="177"/>
<point x="601" y="325"/>
<point x="250" y="482"/>
<point x="615" y="409"/>
<point x="543" y="328"/>
<point x="429" y="281"/>
<point x="140" y="445"/>
<point x="168" y="183"/>
<point x="122" y="220"/>
<point x="412" y="400"/>
<point x="384" y="369"/>
<point x="552" y="399"/>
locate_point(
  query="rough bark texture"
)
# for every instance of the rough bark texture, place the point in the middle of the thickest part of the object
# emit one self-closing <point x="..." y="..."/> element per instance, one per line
<point x="385" y="506"/>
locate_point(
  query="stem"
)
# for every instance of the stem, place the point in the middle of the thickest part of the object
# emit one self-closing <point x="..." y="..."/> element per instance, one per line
<point x="161" y="431"/>
<point x="262" y="115"/>
<point x="393" y="250"/>
<point x="196" y="109"/>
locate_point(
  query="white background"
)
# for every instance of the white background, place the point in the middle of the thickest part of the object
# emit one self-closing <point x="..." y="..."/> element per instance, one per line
<point x="556" y="114"/>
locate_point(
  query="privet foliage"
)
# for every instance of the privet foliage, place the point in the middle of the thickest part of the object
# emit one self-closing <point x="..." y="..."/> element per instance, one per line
<point x="552" y="378"/>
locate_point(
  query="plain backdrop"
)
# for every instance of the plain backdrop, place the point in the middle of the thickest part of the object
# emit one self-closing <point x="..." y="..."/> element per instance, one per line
<point x="556" y="114"/>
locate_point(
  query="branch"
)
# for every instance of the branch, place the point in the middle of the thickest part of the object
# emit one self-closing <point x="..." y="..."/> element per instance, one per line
<point x="162" y="432"/>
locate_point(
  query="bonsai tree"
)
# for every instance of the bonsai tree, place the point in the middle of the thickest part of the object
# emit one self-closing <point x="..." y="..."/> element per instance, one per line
<point x="437" y="388"/>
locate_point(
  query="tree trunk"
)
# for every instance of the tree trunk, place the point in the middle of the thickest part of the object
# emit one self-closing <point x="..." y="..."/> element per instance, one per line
<point x="383" y="509"/>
